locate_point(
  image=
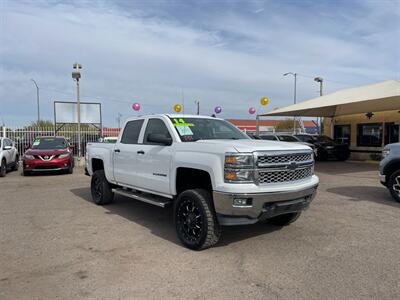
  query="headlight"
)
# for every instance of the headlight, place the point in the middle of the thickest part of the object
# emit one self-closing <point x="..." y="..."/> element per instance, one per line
<point x="330" y="147"/>
<point x="239" y="176"/>
<point x="27" y="156"/>
<point x="385" y="153"/>
<point x="239" y="160"/>
<point x="63" y="155"/>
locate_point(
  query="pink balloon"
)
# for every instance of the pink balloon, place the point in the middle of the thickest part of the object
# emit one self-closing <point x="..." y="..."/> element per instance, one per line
<point x="252" y="110"/>
<point x="136" y="106"/>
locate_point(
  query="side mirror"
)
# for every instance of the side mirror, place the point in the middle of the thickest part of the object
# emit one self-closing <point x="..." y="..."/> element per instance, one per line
<point x="7" y="148"/>
<point x="161" y="139"/>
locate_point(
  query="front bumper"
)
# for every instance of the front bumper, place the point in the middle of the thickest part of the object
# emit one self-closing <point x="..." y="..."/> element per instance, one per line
<point x="263" y="205"/>
<point x="38" y="165"/>
<point x="382" y="179"/>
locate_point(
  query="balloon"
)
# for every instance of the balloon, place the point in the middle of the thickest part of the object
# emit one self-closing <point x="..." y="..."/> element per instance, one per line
<point x="177" y="108"/>
<point x="252" y="110"/>
<point x="136" y="106"/>
<point x="264" y="101"/>
<point x="218" y="109"/>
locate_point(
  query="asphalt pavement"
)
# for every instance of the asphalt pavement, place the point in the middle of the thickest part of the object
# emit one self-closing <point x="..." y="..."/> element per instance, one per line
<point x="56" y="244"/>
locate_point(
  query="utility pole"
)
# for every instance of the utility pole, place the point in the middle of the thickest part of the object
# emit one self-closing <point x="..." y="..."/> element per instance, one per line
<point x="198" y="106"/>
<point x="320" y="80"/>
<point x="119" y="120"/>
<point x="37" y="99"/>
<point x="76" y="75"/>
<point x="294" y="96"/>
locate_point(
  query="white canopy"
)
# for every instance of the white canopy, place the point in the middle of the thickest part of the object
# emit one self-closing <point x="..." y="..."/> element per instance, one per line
<point x="376" y="97"/>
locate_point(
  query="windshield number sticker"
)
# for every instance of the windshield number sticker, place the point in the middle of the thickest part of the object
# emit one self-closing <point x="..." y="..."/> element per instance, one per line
<point x="181" y="122"/>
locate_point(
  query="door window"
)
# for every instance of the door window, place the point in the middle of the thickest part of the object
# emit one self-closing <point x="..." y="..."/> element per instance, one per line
<point x="342" y="134"/>
<point x="155" y="126"/>
<point x="392" y="133"/>
<point x="131" y="132"/>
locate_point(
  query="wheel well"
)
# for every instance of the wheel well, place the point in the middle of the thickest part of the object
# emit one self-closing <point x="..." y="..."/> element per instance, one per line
<point x="187" y="178"/>
<point x="389" y="170"/>
<point x="97" y="164"/>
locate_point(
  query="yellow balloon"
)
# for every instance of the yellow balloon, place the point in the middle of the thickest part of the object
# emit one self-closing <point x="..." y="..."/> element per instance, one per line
<point x="264" y="101"/>
<point x="177" y="108"/>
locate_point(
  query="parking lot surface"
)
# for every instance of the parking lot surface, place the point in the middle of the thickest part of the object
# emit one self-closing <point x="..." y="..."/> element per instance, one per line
<point x="57" y="244"/>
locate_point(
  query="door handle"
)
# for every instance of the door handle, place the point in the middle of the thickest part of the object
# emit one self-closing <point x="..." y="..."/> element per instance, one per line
<point x="140" y="152"/>
<point x="117" y="150"/>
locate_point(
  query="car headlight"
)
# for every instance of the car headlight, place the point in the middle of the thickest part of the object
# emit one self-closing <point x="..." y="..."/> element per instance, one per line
<point x="239" y="160"/>
<point x="330" y="147"/>
<point x="63" y="155"/>
<point x="27" y="156"/>
<point x="385" y="153"/>
<point x="239" y="168"/>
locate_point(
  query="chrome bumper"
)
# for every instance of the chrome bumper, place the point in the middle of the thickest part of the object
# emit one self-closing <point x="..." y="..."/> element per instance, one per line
<point x="223" y="202"/>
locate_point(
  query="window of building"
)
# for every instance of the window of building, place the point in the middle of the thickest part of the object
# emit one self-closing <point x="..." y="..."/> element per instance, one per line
<point x="392" y="133"/>
<point x="131" y="132"/>
<point x="342" y="134"/>
<point x="369" y="135"/>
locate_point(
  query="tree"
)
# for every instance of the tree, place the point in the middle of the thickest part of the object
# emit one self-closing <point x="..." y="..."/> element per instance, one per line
<point x="287" y="125"/>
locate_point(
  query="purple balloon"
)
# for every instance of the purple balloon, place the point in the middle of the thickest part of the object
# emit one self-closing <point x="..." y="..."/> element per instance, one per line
<point x="218" y="109"/>
<point x="136" y="106"/>
<point x="252" y="110"/>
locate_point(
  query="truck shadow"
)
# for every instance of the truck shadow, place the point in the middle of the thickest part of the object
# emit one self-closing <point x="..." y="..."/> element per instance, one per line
<point x="366" y="193"/>
<point x="160" y="220"/>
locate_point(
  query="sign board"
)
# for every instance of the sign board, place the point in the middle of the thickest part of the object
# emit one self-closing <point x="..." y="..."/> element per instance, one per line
<point x="66" y="112"/>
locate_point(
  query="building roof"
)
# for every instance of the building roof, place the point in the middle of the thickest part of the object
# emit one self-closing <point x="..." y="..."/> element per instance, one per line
<point x="382" y="96"/>
<point x="273" y="123"/>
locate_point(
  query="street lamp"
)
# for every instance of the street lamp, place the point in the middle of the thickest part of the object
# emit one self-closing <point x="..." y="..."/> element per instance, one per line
<point x="320" y="80"/>
<point x="37" y="98"/>
<point x="76" y="75"/>
<point x="294" y="96"/>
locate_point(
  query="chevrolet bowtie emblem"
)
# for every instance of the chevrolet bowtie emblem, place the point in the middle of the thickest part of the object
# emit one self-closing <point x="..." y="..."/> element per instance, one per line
<point x="292" y="166"/>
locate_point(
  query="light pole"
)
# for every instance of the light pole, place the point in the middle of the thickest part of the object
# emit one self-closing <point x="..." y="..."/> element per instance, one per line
<point x="294" y="96"/>
<point x="320" y="80"/>
<point x="76" y="75"/>
<point x="37" y="98"/>
<point x="198" y="106"/>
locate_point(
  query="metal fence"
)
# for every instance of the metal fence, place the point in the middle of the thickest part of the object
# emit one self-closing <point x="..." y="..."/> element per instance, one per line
<point x="23" y="137"/>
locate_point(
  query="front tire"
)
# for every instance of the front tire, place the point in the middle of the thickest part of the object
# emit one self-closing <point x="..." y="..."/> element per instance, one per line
<point x="394" y="185"/>
<point x="15" y="167"/>
<point x="101" y="189"/>
<point x="3" y="168"/>
<point x="195" y="220"/>
<point x="285" y="219"/>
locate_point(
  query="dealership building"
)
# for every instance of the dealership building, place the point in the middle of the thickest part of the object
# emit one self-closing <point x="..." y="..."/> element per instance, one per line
<point x="367" y="117"/>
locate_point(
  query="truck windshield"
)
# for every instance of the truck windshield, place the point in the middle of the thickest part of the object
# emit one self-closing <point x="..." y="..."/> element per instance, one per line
<point x="194" y="129"/>
<point x="49" y="143"/>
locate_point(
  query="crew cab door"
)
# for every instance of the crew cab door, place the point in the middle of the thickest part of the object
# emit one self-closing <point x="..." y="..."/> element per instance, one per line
<point x="126" y="152"/>
<point x="154" y="160"/>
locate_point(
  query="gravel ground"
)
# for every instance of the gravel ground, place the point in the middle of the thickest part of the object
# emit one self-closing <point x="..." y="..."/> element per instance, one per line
<point x="56" y="244"/>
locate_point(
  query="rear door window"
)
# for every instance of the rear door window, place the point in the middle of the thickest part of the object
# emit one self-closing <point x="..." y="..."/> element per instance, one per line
<point x="131" y="132"/>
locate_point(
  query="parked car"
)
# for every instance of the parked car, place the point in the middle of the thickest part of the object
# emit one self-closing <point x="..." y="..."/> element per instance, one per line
<point x="284" y="138"/>
<point x="389" y="169"/>
<point x="48" y="154"/>
<point x="325" y="147"/>
<point x="211" y="172"/>
<point x="9" y="156"/>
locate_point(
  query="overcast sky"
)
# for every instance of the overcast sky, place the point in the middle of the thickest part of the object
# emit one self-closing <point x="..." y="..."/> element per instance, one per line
<point x="157" y="53"/>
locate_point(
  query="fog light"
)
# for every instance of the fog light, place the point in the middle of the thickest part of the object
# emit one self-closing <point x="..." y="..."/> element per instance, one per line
<point x="242" y="202"/>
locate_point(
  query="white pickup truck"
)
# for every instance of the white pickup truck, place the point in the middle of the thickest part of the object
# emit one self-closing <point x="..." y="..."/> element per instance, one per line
<point x="211" y="172"/>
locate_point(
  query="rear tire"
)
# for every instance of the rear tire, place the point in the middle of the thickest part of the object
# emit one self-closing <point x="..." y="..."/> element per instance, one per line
<point x="394" y="185"/>
<point x="3" y="168"/>
<point x="284" y="220"/>
<point x="101" y="189"/>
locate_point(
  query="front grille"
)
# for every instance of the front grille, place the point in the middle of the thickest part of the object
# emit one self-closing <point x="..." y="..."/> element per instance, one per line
<point x="283" y="158"/>
<point x="277" y="176"/>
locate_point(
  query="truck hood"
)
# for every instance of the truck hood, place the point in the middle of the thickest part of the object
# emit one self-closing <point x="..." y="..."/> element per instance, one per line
<point x="255" y="145"/>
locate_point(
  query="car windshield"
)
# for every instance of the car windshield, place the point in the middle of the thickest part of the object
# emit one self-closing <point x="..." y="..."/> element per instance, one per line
<point x="323" y="139"/>
<point x="194" y="129"/>
<point x="49" y="143"/>
<point x="287" y="138"/>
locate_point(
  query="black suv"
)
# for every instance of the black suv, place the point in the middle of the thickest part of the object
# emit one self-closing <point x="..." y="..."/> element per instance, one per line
<point x="325" y="147"/>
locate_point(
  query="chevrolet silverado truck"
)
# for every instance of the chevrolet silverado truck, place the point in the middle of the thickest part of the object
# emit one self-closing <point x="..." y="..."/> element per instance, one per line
<point x="389" y="169"/>
<point x="208" y="170"/>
